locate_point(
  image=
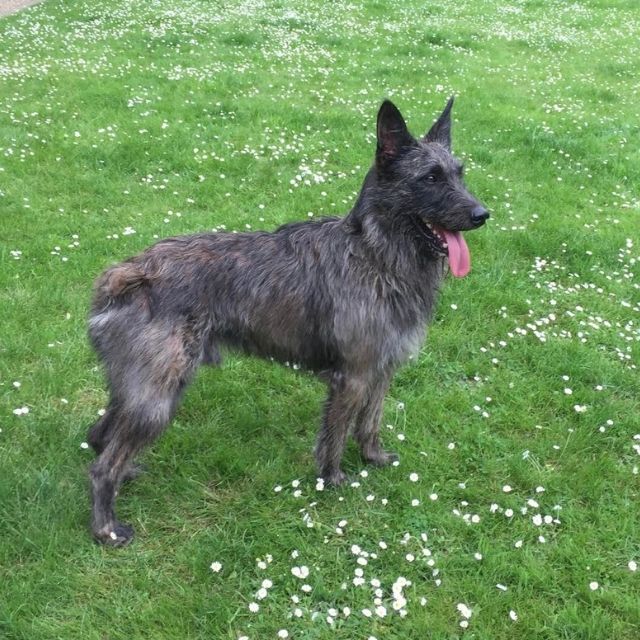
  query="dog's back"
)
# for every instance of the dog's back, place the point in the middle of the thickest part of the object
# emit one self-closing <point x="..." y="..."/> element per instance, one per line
<point x="259" y="292"/>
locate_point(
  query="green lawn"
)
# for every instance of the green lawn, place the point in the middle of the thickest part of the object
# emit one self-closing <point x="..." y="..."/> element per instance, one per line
<point x="123" y="122"/>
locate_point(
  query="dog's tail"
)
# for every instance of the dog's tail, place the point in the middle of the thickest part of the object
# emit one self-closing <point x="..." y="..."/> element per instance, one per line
<point x="118" y="281"/>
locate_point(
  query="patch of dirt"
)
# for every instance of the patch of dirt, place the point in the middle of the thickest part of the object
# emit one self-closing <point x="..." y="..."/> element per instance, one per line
<point x="11" y="6"/>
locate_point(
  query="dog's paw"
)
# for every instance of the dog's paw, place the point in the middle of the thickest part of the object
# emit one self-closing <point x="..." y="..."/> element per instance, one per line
<point x="382" y="458"/>
<point x="335" y="478"/>
<point x="118" y="535"/>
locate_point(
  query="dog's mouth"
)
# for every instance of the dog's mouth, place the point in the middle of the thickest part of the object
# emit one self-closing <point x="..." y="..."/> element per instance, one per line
<point x="449" y="243"/>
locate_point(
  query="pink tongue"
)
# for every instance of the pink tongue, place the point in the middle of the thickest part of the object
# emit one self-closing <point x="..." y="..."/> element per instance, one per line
<point x="459" y="257"/>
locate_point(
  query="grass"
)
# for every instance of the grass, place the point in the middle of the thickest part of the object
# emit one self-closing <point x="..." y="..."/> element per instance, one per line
<point x="124" y="122"/>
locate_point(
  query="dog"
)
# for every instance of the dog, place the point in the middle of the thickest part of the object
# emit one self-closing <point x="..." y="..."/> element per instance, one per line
<point x="346" y="298"/>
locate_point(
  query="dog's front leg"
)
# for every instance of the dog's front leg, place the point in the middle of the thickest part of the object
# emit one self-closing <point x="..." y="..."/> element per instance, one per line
<point x="367" y="425"/>
<point x="347" y="396"/>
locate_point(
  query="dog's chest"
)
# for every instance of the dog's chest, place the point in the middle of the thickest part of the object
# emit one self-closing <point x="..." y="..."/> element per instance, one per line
<point x="408" y="308"/>
<point x="386" y="324"/>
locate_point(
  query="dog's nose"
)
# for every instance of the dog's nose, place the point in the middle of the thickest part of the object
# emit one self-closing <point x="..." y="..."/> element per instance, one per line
<point x="478" y="215"/>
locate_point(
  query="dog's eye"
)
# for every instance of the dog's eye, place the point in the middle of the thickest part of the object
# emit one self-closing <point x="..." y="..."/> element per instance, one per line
<point x="434" y="175"/>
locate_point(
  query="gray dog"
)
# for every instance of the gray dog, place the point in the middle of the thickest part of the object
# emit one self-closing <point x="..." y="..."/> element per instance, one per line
<point x="347" y="298"/>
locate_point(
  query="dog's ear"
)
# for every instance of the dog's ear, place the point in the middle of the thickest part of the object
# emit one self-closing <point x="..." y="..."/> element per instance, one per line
<point x="393" y="135"/>
<point x="441" y="129"/>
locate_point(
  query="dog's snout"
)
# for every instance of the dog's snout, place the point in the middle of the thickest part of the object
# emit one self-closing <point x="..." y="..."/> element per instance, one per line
<point x="478" y="215"/>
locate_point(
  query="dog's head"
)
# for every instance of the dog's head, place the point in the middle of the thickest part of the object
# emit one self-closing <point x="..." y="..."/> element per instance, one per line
<point x="422" y="180"/>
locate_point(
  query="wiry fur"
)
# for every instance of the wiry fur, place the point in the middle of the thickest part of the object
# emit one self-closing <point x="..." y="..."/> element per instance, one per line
<point x="347" y="298"/>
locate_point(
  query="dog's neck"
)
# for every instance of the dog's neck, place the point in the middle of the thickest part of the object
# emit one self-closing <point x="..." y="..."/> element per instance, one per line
<point x="388" y="234"/>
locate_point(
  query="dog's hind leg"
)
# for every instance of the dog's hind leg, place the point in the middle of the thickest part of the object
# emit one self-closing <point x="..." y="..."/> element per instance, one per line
<point x="99" y="433"/>
<point x="367" y="425"/>
<point x="150" y="382"/>
<point x="107" y="474"/>
<point x="346" y="397"/>
<point x="99" y="436"/>
<point x="134" y="428"/>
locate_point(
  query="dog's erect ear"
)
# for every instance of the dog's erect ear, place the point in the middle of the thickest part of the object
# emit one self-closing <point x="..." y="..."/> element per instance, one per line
<point x="441" y="129"/>
<point x="393" y="135"/>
